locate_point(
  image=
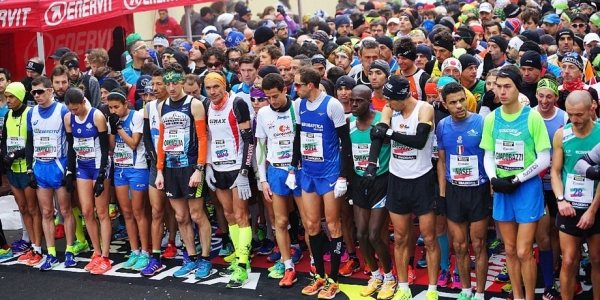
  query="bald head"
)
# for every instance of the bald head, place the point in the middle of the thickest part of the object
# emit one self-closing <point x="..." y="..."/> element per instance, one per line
<point x="577" y="97"/>
<point x="361" y="91"/>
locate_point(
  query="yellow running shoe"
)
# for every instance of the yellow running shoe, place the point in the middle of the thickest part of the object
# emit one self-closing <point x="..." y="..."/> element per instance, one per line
<point x="373" y="285"/>
<point x="403" y="295"/>
<point x="388" y="288"/>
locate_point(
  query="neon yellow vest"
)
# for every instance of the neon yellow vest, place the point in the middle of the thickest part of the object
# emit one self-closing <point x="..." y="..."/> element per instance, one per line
<point x="16" y="137"/>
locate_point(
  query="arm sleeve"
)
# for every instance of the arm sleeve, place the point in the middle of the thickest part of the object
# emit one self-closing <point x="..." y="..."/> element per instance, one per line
<point x="103" y="137"/>
<point x="201" y="135"/>
<point x="489" y="165"/>
<point x="541" y="162"/>
<point x="29" y="149"/>
<point x="3" y="140"/>
<point x="261" y="159"/>
<point x="346" y="152"/>
<point x="160" y="154"/>
<point x="71" y="155"/>
<point x="148" y="138"/>
<point x="374" y="150"/>
<point x="296" y="147"/>
<point x="418" y="141"/>
<point x="242" y="114"/>
<point x="592" y="158"/>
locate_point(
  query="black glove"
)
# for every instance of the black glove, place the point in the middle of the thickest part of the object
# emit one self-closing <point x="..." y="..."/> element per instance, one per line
<point x="31" y="181"/>
<point x="505" y="185"/>
<point x="440" y="206"/>
<point x="281" y="10"/>
<point x="592" y="173"/>
<point x="151" y="156"/>
<point x="99" y="185"/>
<point x="368" y="178"/>
<point x="488" y="64"/>
<point x="67" y="181"/>
<point x="115" y="123"/>
<point x="8" y="160"/>
<point x="378" y="131"/>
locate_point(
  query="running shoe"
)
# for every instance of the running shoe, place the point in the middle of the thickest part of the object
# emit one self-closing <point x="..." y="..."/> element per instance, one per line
<point x="59" y="231"/>
<point x="80" y="247"/>
<point x="551" y="294"/>
<point x="431" y="295"/>
<point x="327" y="256"/>
<point x="266" y="247"/>
<point x="456" y="285"/>
<point x="204" y="269"/>
<point x="316" y="284"/>
<point x="277" y="271"/>
<point x="388" y="288"/>
<point x="443" y="279"/>
<point x="35" y="259"/>
<point x="142" y="262"/>
<point x="20" y="246"/>
<point x="420" y="241"/>
<point x="313" y="270"/>
<point x="232" y="257"/>
<point x="170" y="252"/>
<point x="507" y="288"/>
<point x="411" y="275"/>
<point x="113" y="211"/>
<point x="261" y="232"/>
<point x="102" y="267"/>
<point x="25" y="257"/>
<point x="275" y="255"/>
<point x="345" y="256"/>
<point x="289" y="278"/>
<point x="422" y="263"/>
<point x="93" y="262"/>
<point x="189" y="267"/>
<point x="366" y="269"/>
<point x="349" y="268"/>
<point x="178" y="240"/>
<point x="255" y="245"/>
<point x="372" y="287"/>
<point x="50" y="263"/>
<point x="70" y="260"/>
<point x="463" y="296"/>
<point x="330" y="289"/>
<point x="403" y="295"/>
<point x="238" y="278"/>
<point x="131" y="261"/>
<point x="296" y="254"/>
<point x="503" y="275"/>
<point x="494" y="247"/>
<point x="230" y="269"/>
<point x="578" y="288"/>
<point x="121" y="234"/>
<point x="226" y="249"/>
<point x="154" y="266"/>
<point x="6" y="253"/>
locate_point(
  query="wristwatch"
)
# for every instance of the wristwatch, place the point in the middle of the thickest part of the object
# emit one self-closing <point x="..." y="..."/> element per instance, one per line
<point x="560" y="198"/>
<point x="244" y="172"/>
<point x="199" y="168"/>
<point x="516" y="180"/>
<point x="389" y="132"/>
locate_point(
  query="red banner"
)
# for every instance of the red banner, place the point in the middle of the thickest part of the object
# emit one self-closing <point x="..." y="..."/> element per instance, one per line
<point x="61" y="14"/>
<point x="18" y="15"/>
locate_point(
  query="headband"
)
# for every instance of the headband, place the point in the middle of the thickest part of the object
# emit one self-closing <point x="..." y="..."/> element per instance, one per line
<point x="33" y="66"/>
<point x="431" y="88"/>
<point x="172" y="76"/>
<point x="448" y="45"/>
<point x="215" y="76"/>
<point x="566" y="17"/>
<point x="547" y="83"/>
<point x="407" y="52"/>
<point x="72" y="64"/>
<point x="160" y="41"/>
<point x="118" y="94"/>
<point x="516" y="78"/>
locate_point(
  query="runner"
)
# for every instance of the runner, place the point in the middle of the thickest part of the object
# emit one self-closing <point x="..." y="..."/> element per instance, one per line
<point x="275" y="147"/>
<point x="131" y="174"/>
<point x="369" y="200"/>
<point x="87" y="138"/>
<point x="513" y="136"/>
<point x="322" y="130"/>
<point x="409" y="193"/>
<point x="46" y="158"/>
<point x="181" y="155"/>
<point x="228" y="168"/>
<point x="14" y="137"/>
<point x="464" y="186"/>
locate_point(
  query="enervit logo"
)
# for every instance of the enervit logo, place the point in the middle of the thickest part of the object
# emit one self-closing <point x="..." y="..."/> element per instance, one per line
<point x="71" y="10"/>
<point x="133" y="4"/>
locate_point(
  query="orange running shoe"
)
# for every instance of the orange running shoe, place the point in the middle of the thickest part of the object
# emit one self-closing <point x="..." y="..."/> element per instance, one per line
<point x="289" y="278"/>
<point x="330" y="289"/>
<point x="170" y="252"/>
<point x="102" y="266"/>
<point x="316" y="284"/>
<point x="26" y="257"/>
<point x="349" y="268"/>
<point x="93" y="263"/>
<point x="366" y="269"/>
<point x="411" y="275"/>
<point x="313" y="270"/>
<point x="35" y="259"/>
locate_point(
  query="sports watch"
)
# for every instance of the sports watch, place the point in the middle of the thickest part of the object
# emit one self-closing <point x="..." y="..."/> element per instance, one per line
<point x="560" y="198"/>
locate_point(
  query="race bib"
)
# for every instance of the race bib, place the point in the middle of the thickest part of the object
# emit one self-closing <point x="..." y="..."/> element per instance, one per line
<point x="174" y="141"/>
<point x="123" y="156"/>
<point x="360" y="156"/>
<point x="510" y="155"/>
<point x="434" y="152"/>
<point x="579" y="190"/>
<point x="45" y="147"/>
<point x="546" y="182"/>
<point x="403" y="152"/>
<point x="464" y="170"/>
<point x="312" y="146"/>
<point x="223" y="152"/>
<point x="84" y="148"/>
<point x="14" y="143"/>
<point x="282" y="151"/>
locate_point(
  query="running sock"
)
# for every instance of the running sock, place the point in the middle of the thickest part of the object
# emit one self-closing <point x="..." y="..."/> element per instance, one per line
<point x="193" y="258"/>
<point x="289" y="264"/>
<point x="245" y="240"/>
<point x="352" y="255"/>
<point x="294" y="219"/>
<point x="79" y="234"/>
<point x="312" y="260"/>
<point x="156" y="255"/>
<point x="546" y="259"/>
<point x="145" y="253"/>
<point x="225" y="238"/>
<point x="25" y="232"/>
<point x="52" y="251"/>
<point x="411" y="261"/>
<point x="136" y="252"/>
<point x="479" y="296"/>
<point x="316" y="245"/>
<point x="70" y="248"/>
<point x="432" y="287"/>
<point x="444" y="251"/>
<point x="336" y="256"/>
<point x="403" y="286"/>
<point x="206" y="258"/>
<point x="388" y="276"/>
<point x="37" y="249"/>
<point x="468" y="292"/>
<point x="234" y="233"/>
<point x="376" y="274"/>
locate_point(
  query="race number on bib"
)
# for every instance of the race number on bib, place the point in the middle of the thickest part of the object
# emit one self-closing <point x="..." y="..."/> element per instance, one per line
<point x="223" y="152"/>
<point x="403" y="152"/>
<point x="15" y="143"/>
<point x="312" y="146"/>
<point x="174" y="140"/>
<point x="85" y="148"/>
<point x="360" y="156"/>
<point x="45" y="147"/>
<point x="464" y="170"/>
<point x="123" y="156"/>
<point x="579" y="190"/>
<point x="510" y="155"/>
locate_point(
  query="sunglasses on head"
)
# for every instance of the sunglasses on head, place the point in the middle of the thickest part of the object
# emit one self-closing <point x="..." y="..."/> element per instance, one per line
<point x="259" y="99"/>
<point x="38" y="91"/>
<point x="213" y="65"/>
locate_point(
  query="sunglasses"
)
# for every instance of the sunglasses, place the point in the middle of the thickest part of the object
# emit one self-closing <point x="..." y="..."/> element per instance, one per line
<point x="213" y="65"/>
<point x="580" y="25"/>
<point x="141" y="47"/>
<point x="299" y="85"/>
<point x="234" y="60"/>
<point x="457" y="38"/>
<point x="38" y="91"/>
<point x="259" y="99"/>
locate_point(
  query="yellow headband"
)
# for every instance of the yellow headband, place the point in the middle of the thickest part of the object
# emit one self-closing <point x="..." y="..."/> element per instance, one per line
<point x="215" y="76"/>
